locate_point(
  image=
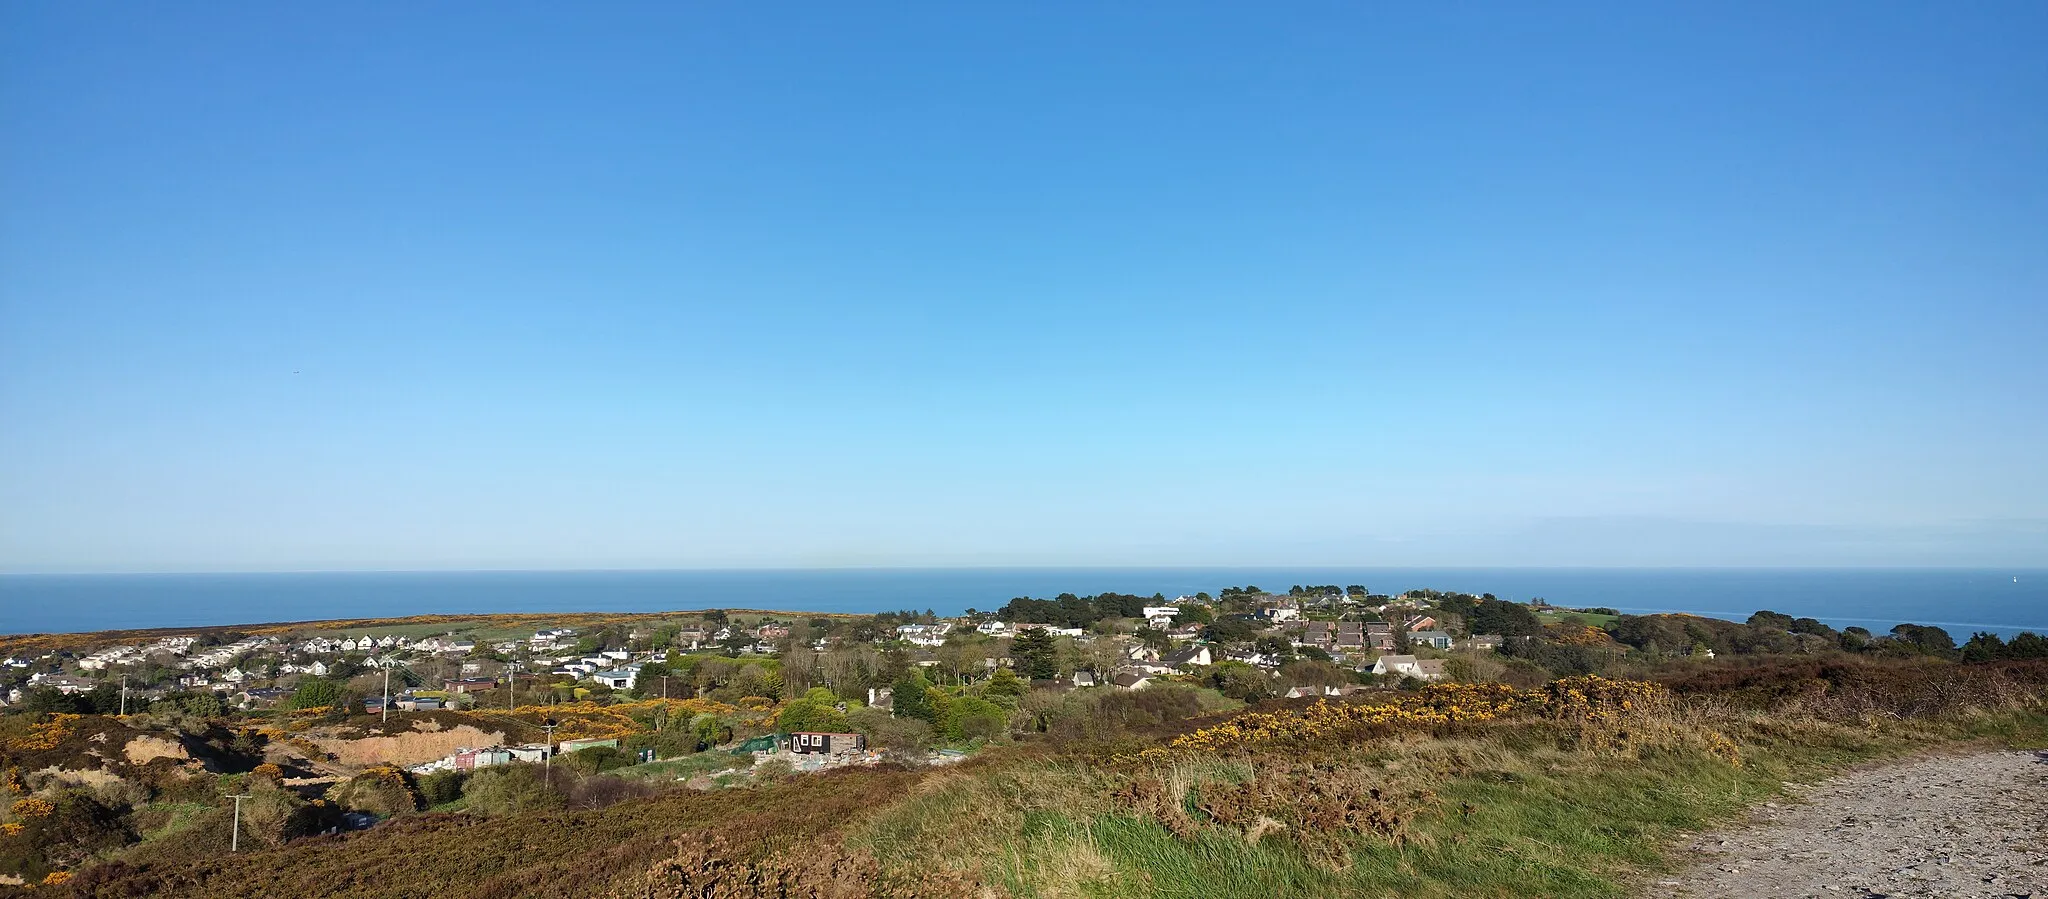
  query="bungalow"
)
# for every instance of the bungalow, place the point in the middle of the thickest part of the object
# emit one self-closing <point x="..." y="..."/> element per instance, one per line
<point x="1434" y="639"/>
<point x="993" y="628"/>
<point x="419" y="703"/>
<point x="773" y="632"/>
<point x="618" y="678"/>
<point x="1131" y="680"/>
<point x="1483" y="641"/>
<point x="1189" y="656"/>
<point x="1409" y="666"/>
<point x="1419" y="623"/>
<point x="1161" y="611"/>
<point x="469" y="685"/>
<point x="1084" y="678"/>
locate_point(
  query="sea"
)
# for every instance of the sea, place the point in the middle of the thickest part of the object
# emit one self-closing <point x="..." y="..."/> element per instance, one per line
<point x="2002" y="601"/>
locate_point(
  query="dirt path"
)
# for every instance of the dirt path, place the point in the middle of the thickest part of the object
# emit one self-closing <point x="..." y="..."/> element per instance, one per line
<point x="1955" y="826"/>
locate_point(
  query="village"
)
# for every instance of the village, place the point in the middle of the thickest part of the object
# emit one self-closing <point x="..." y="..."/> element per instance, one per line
<point x="1244" y="644"/>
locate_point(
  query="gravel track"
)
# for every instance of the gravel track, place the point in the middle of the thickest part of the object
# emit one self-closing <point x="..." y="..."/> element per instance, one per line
<point x="1947" y="826"/>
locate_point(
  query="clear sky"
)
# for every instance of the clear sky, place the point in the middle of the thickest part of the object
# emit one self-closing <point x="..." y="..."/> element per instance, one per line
<point x="397" y="285"/>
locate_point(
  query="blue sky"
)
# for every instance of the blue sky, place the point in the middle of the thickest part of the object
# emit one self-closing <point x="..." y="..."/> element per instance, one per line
<point x="525" y="285"/>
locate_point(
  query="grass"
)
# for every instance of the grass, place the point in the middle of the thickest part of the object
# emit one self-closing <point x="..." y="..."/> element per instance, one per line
<point x="1516" y="809"/>
<point x="684" y="767"/>
<point x="1566" y="616"/>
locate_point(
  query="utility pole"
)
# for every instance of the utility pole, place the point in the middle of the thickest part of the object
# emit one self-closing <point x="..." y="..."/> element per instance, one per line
<point x="664" y="688"/>
<point x="124" y="696"/>
<point x="511" y="688"/>
<point x="235" y="835"/>
<point x="547" y="758"/>
<point x="385" y="709"/>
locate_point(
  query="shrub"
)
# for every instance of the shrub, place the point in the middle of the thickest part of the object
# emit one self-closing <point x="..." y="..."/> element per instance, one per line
<point x="504" y="789"/>
<point x="594" y="760"/>
<point x="441" y="787"/>
<point x="383" y="791"/>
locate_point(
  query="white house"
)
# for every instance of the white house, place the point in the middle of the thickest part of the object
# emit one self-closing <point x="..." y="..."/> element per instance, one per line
<point x="1409" y="666"/>
<point x="993" y="628"/>
<point x="1159" y="611"/>
<point x="618" y="678"/>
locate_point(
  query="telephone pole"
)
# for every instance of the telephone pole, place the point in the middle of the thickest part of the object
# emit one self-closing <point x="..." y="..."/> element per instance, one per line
<point x="124" y="696"/>
<point x="235" y="835"/>
<point x="511" y="688"/>
<point x="385" y="709"/>
<point x="547" y="759"/>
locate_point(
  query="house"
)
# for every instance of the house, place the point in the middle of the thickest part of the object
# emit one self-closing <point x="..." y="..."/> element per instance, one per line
<point x="63" y="683"/>
<point x="1131" y="680"/>
<point x="1320" y="634"/>
<point x="262" y="697"/>
<point x="1084" y="678"/>
<point x="882" y="698"/>
<point x="810" y="743"/>
<point x="773" y="632"/>
<point x="1409" y="666"/>
<point x="469" y="685"/>
<point x="419" y="703"/>
<point x="1187" y="656"/>
<point x="589" y="743"/>
<point x="1380" y="636"/>
<point x="1160" y="612"/>
<point x="1419" y="623"/>
<point x="1304" y="692"/>
<point x="1159" y="622"/>
<point x="1281" y="613"/>
<point x="1483" y="641"/>
<point x="993" y="628"/>
<point x="1434" y="639"/>
<point x="617" y="678"/>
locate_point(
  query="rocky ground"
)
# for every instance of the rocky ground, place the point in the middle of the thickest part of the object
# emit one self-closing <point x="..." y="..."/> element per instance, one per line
<point x="1950" y="826"/>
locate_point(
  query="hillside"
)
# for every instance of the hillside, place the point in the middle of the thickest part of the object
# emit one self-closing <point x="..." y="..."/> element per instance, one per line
<point x="1576" y="788"/>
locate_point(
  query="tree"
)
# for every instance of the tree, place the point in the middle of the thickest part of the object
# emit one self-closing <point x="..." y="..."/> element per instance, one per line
<point x="1154" y="638"/>
<point x="1003" y="685"/>
<point x="1925" y="639"/>
<point x="1036" y="654"/>
<point x="315" y="692"/>
<point x="1984" y="647"/>
<point x="973" y="718"/>
<point x="911" y="699"/>
<point x="1278" y="647"/>
<point x="1773" y="620"/>
<point x="816" y="712"/>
